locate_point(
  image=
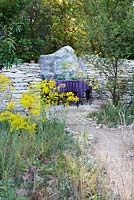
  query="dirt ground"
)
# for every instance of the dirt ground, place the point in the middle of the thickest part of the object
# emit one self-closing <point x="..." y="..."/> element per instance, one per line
<point x="114" y="148"/>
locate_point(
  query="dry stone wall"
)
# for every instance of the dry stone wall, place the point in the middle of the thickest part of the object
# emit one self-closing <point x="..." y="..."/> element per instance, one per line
<point x="126" y="68"/>
<point x="21" y="77"/>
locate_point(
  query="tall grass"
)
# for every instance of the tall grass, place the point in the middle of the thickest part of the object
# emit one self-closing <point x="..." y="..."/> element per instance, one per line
<point x="55" y="158"/>
<point x="45" y="150"/>
<point x="114" y="116"/>
<point x="18" y="151"/>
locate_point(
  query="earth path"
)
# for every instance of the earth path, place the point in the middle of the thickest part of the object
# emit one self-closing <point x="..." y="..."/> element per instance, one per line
<point x="110" y="146"/>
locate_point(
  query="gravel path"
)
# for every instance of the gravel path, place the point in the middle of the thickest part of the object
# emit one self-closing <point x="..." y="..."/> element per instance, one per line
<point x="112" y="147"/>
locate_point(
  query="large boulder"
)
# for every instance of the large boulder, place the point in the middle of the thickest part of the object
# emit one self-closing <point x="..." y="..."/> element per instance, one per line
<point x="63" y="64"/>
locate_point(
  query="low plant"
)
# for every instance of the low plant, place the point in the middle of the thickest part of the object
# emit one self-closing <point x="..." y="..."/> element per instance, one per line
<point x="113" y="116"/>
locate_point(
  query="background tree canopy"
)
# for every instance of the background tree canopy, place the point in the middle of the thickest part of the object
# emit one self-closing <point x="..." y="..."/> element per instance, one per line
<point x="29" y="28"/>
<point x="110" y="27"/>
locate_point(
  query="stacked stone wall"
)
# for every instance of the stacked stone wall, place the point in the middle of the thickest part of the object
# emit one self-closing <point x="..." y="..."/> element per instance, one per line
<point x="127" y="73"/>
<point x="21" y="77"/>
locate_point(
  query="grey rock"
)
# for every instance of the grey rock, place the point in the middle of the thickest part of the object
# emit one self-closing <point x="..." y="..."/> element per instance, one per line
<point x="21" y="192"/>
<point x="52" y="182"/>
<point x="16" y="96"/>
<point x="62" y="62"/>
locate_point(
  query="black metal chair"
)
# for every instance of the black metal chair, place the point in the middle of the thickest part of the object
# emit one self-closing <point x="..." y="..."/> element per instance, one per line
<point x="89" y="95"/>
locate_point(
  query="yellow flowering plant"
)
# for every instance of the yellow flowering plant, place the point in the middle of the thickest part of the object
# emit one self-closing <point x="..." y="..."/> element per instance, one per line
<point x="51" y="94"/>
<point x="37" y="98"/>
<point x="10" y="105"/>
<point x="4" y="82"/>
<point x="5" y="90"/>
<point x="91" y="81"/>
<point x="31" y="102"/>
<point x="17" y="121"/>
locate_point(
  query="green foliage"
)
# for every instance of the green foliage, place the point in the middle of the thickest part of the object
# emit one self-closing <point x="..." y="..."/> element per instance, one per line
<point x="53" y="153"/>
<point x="11" y="25"/>
<point x="7" y="191"/>
<point x="67" y="19"/>
<point x="16" y="151"/>
<point x="8" y="51"/>
<point x="30" y="49"/>
<point x="109" y="24"/>
<point x="31" y="28"/>
<point x="39" y="27"/>
<point x="112" y="116"/>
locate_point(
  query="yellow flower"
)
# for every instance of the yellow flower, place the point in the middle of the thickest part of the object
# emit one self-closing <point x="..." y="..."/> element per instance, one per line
<point x="51" y="84"/>
<point x="4" y="82"/>
<point x="10" y="106"/>
<point x="31" y="102"/>
<point x="18" y="121"/>
<point x="35" y="110"/>
<point x="31" y="128"/>
<point x="61" y="86"/>
<point x="45" y="89"/>
<point x="26" y="100"/>
<point x="5" y="115"/>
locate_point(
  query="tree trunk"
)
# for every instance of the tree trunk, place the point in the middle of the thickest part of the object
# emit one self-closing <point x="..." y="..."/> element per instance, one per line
<point x="114" y="94"/>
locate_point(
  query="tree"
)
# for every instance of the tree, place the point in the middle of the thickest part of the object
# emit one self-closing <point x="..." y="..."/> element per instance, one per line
<point x="66" y="25"/>
<point x="12" y="24"/>
<point x="39" y="27"/>
<point x="109" y="26"/>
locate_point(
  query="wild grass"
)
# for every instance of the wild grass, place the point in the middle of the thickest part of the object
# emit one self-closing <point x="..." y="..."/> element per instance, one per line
<point x="112" y="116"/>
<point x="50" y="164"/>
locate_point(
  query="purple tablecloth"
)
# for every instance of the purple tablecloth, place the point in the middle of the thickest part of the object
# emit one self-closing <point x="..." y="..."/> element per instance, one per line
<point x="78" y="86"/>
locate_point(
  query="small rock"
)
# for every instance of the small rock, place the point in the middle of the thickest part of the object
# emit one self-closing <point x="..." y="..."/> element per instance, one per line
<point x="130" y="154"/>
<point x="49" y="190"/>
<point x="21" y="192"/>
<point x="37" y="178"/>
<point x="90" y="119"/>
<point x="51" y="182"/>
<point x="72" y="198"/>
